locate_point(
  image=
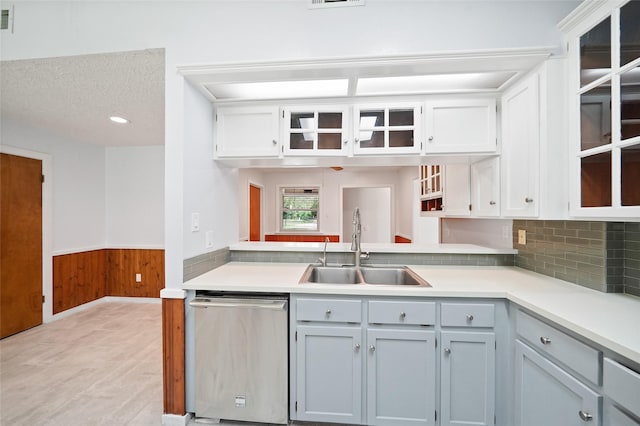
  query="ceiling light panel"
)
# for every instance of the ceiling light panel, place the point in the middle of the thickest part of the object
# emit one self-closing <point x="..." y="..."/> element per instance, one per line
<point x="280" y="89"/>
<point x="433" y="83"/>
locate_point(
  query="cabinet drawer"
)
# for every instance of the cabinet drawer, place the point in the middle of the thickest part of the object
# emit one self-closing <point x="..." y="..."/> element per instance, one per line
<point x="581" y="358"/>
<point x="402" y="312"/>
<point x="329" y="310"/>
<point x="622" y="385"/>
<point x="467" y="315"/>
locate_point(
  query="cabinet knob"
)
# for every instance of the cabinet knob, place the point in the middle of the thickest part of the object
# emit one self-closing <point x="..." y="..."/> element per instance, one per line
<point x="328" y="312"/>
<point x="528" y="200"/>
<point x="586" y="417"/>
<point x="403" y="315"/>
<point x="357" y="347"/>
<point x="356" y="140"/>
<point x="545" y="340"/>
<point x="372" y="348"/>
<point x="275" y="142"/>
<point x="345" y="142"/>
<point x="430" y="138"/>
<point x="469" y="317"/>
<point x="492" y="203"/>
<point x="447" y="351"/>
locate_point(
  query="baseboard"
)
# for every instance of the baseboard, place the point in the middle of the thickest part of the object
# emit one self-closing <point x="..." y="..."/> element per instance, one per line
<point x="106" y="299"/>
<point x="176" y="420"/>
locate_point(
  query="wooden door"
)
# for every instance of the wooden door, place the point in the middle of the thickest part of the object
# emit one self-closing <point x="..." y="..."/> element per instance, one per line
<point x="255" y="195"/>
<point x="20" y="244"/>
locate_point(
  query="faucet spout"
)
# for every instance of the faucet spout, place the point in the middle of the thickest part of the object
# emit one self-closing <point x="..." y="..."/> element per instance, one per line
<point x="355" y="237"/>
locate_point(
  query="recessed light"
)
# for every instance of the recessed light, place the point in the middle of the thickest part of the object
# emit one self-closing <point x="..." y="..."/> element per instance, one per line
<point x="118" y="120"/>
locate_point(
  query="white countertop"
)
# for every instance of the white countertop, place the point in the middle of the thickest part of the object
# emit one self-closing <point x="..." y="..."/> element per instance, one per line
<point x="611" y="320"/>
<point x="373" y="248"/>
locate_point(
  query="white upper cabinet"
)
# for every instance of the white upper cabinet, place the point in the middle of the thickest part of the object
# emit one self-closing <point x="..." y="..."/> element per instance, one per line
<point x="247" y="131"/>
<point x="520" y="159"/>
<point x="456" y="197"/>
<point x="315" y="130"/>
<point x="485" y="188"/>
<point x="604" y="110"/>
<point x="461" y="126"/>
<point x="387" y="129"/>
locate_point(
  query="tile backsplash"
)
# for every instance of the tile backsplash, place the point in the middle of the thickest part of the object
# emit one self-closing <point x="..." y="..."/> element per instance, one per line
<point x="604" y="256"/>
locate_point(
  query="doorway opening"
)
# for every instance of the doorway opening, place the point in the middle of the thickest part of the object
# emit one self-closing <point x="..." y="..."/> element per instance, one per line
<point x="255" y="212"/>
<point x="376" y="214"/>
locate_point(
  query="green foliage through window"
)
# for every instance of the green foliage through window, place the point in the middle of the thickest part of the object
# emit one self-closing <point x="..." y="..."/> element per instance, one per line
<point x="299" y="208"/>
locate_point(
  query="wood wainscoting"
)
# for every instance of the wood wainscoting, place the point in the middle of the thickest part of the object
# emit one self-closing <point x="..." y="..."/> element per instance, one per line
<point x="173" y="363"/>
<point x="82" y="277"/>
<point x="401" y="239"/>
<point x="302" y="238"/>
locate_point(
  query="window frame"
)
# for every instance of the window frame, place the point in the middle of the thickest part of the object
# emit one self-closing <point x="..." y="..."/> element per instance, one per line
<point x="281" y="192"/>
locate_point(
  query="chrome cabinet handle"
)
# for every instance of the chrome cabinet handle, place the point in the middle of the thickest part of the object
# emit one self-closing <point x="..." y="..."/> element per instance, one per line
<point x="275" y="142"/>
<point x="492" y="203"/>
<point x="447" y="351"/>
<point x="545" y="340"/>
<point x="586" y="417"/>
<point x="528" y="200"/>
<point x="403" y="315"/>
<point x="328" y="312"/>
<point x="430" y="138"/>
<point x="469" y="317"/>
<point x="372" y="348"/>
<point x="357" y="347"/>
<point x="345" y="142"/>
<point x="357" y="140"/>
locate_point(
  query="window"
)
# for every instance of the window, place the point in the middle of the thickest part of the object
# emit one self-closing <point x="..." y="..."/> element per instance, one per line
<point x="299" y="209"/>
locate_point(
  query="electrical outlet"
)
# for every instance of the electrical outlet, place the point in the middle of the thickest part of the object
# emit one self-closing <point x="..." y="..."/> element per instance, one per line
<point x="138" y="278"/>
<point x="209" y="239"/>
<point x="506" y="232"/>
<point x="522" y="237"/>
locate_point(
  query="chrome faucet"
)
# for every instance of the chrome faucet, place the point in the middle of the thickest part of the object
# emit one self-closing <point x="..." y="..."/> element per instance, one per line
<point x="323" y="259"/>
<point x="355" y="239"/>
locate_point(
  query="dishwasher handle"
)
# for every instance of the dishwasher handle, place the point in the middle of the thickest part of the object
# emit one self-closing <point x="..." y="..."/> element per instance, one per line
<point x="274" y="305"/>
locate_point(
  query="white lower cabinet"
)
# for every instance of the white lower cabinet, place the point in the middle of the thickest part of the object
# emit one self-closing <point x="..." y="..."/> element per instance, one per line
<point x="546" y="394"/>
<point x="467" y="376"/>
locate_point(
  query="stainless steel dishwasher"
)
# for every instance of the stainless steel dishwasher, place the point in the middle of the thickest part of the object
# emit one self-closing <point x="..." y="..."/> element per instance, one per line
<point x="241" y="357"/>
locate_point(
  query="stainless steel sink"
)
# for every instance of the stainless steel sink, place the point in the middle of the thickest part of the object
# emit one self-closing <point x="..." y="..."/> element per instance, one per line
<point x="376" y="275"/>
<point x="331" y="275"/>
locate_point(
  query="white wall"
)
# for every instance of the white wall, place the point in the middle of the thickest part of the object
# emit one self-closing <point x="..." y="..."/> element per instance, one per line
<point x="209" y="189"/>
<point x="79" y="181"/>
<point x="135" y="197"/>
<point x="238" y="31"/>
<point x="374" y="205"/>
<point x="407" y="202"/>
<point x="485" y="232"/>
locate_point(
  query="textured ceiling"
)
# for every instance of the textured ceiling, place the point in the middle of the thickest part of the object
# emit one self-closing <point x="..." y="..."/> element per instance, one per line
<point x="74" y="96"/>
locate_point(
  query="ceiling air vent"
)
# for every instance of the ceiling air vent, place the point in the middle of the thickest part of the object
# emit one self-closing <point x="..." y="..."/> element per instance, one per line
<point x="321" y="4"/>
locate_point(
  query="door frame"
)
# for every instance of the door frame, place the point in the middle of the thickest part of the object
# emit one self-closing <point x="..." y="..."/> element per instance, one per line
<point x="251" y="183"/>
<point x="47" y="224"/>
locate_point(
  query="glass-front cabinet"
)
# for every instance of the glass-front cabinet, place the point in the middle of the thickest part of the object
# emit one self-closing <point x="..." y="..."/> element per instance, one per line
<point x="315" y="130"/>
<point x="605" y="86"/>
<point x="387" y="129"/>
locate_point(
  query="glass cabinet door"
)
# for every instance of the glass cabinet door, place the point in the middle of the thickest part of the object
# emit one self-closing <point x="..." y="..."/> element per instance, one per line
<point x="385" y="130"/>
<point x="314" y="131"/>
<point x="609" y="98"/>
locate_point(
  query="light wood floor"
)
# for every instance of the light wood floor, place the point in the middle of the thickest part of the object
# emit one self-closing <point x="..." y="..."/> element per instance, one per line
<point x="102" y="366"/>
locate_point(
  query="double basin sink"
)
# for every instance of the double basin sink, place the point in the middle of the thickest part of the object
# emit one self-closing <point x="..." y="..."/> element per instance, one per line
<point x="369" y="274"/>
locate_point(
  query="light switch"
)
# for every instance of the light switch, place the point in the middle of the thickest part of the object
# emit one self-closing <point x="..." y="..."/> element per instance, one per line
<point x="195" y="222"/>
<point x="522" y="237"/>
<point x="138" y="278"/>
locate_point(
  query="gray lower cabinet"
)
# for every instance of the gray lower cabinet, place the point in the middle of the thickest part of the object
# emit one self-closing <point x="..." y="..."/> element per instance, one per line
<point x="545" y="394"/>
<point x="329" y="373"/>
<point x="401" y="371"/>
<point x="615" y="416"/>
<point x="467" y="363"/>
